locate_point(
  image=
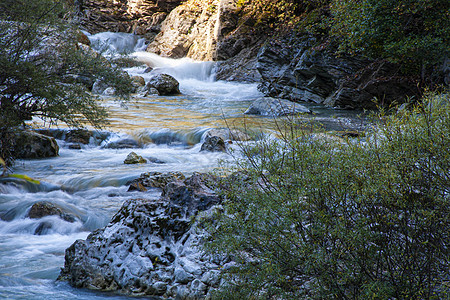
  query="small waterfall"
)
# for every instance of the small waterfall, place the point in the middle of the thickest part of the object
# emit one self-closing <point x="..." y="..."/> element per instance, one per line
<point x="117" y="43"/>
<point x="183" y="68"/>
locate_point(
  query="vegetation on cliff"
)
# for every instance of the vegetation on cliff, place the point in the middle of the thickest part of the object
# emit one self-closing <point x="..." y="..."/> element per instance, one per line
<point x="414" y="34"/>
<point x="44" y="72"/>
<point x="367" y="218"/>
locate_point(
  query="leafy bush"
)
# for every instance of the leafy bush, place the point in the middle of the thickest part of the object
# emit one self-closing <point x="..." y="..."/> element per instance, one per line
<point x="43" y="70"/>
<point x="412" y="33"/>
<point x="310" y="216"/>
<point x="279" y="14"/>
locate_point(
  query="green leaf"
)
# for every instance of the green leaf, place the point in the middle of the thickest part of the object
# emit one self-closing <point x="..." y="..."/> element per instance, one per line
<point x="25" y="177"/>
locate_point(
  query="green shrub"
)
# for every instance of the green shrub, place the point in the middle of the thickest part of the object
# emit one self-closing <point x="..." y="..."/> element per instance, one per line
<point x="43" y="69"/>
<point x="412" y="33"/>
<point x="367" y="218"/>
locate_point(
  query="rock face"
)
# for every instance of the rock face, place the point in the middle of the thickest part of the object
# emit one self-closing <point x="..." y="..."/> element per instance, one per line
<point x="151" y="247"/>
<point x="272" y="107"/>
<point x="139" y="16"/>
<point x="295" y="68"/>
<point x="29" y="144"/>
<point x="164" y="84"/>
<point x="194" y="28"/>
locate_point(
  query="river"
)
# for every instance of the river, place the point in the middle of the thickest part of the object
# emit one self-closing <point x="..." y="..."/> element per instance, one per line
<point x="90" y="183"/>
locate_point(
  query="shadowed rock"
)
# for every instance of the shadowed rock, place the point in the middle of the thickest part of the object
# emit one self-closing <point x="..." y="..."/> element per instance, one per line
<point x="213" y="144"/>
<point x="164" y="84"/>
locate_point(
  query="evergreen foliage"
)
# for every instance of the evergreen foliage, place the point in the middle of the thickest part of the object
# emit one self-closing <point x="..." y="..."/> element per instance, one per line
<point x="44" y="73"/>
<point x="369" y="218"/>
<point x="410" y="32"/>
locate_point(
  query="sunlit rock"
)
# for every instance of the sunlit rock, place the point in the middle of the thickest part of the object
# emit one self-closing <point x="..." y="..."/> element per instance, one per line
<point x="194" y="28"/>
<point x="134" y="158"/>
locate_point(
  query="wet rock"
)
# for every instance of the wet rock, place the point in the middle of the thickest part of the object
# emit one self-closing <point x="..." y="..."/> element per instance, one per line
<point x="154" y="180"/>
<point x="213" y="144"/>
<point x="133" y="158"/>
<point x="137" y="81"/>
<point x="81" y="136"/>
<point x="109" y="91"/>
<point x="155" y="160"/>
<point x="43" y="228"/>
<point x="99" y="87"/>
<point x="45" y="208"/>
<point x="29" y="144"/>
<point x="75" y="146"/>
<point x="123" y="144"/>
<point x="268" y="106"/>
<point x="228" y="134"/>
<point x="164" y="84"/>
<point x="151" y="247"/>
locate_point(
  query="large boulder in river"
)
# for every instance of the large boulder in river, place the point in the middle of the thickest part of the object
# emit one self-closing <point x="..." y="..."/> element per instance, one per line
<point x="273" y="107"/>
<point x="151" y="247"/>
<point x="29" y="144"/>
<point x="164" y="84"/>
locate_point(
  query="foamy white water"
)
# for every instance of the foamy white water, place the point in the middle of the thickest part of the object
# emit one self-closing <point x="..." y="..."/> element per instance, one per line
<point x="90" y="183"/>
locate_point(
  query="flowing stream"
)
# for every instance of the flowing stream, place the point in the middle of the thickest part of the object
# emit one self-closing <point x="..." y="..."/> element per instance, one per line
<point x="90" y="183"/>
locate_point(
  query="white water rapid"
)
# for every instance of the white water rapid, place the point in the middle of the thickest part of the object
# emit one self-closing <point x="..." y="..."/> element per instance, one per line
<point x="90" y="183"/>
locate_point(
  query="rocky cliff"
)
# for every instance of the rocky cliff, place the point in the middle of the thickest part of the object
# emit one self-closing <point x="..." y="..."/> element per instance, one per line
<point x="142" y="17"/>
<point x="287" y="65"/>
